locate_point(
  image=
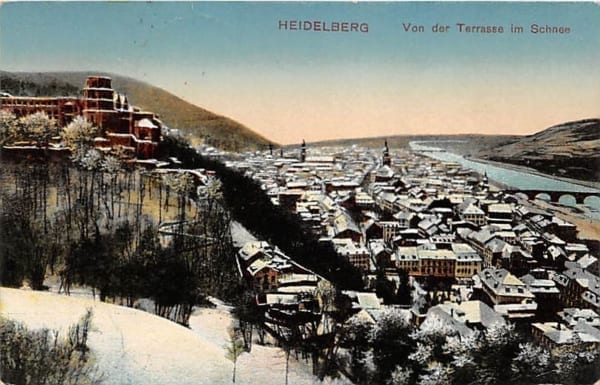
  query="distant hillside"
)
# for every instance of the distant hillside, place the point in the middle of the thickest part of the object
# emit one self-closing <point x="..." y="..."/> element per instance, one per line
<point x="175" y="112"/>
<point x="463" y="143"/>
<point x="569" y="149"/>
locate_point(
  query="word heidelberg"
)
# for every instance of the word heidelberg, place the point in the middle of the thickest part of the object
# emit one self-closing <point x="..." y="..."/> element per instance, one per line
<point x="322" y="26"/>
<point x="489" y="29"/>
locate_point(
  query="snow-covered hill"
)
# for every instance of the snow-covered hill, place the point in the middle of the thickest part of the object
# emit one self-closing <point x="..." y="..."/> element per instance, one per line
<point x="135" y="347"/>
<point x="131" y="346"/>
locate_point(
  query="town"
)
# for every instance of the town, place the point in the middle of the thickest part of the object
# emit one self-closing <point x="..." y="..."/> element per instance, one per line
<point x="434" y="249"/>
<point x="475" y="255"/>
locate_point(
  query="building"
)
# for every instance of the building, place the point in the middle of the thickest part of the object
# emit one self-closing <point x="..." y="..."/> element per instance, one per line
<point x="419" y="262"/>
<point x="468" y="262"/>
<point x="578" y="288"/>
<point x="356" y="254"/>
<point x="507" y="294"/>
<point x="121" y="124"/>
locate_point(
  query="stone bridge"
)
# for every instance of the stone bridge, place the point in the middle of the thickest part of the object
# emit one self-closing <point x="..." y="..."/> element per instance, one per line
<point x="555" y="196"/>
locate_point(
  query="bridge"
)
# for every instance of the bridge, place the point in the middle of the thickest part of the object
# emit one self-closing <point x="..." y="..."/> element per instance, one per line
<point x="555" y="196"/>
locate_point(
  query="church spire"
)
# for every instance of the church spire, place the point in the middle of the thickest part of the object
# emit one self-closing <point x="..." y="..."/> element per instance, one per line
<point x="303" y="152"/>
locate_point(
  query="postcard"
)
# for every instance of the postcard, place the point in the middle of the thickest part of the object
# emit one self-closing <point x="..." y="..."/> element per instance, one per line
<point x="299" y="192"/>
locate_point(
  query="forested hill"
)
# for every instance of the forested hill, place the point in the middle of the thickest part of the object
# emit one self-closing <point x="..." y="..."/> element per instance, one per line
<point x="175" y="112"/>
<point x="569" y="149"/>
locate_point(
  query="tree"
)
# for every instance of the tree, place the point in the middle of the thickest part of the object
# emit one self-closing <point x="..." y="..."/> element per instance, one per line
<point x="392" y="343"/>
<point x="8" y="126"/>
<point x="437" y="374"/>
<point x="576" y="364"/>
<point x="385" y="288"/>
<point x="497" y="348"/>
<point x="403" y="294"/>
<point x="234" y="348"/>
<point x="400" y="376"/>
<point x="531" y="365"/>
<point x="462" y="350"/>
<point x="432" y="335"/>
<point x="38" y="127"/>
<point x="44" y="357"/>
<point x="79" y="134"/>
<point x="356" y="337"/>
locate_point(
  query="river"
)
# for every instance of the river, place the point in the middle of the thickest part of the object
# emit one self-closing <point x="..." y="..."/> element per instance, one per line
<point x="510" y="177"/>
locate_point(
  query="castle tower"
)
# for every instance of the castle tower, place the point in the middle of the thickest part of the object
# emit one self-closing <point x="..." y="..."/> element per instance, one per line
<point x="99" y="101"/>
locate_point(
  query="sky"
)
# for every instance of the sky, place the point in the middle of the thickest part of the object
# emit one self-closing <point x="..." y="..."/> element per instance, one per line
<point x="289" y="85"/>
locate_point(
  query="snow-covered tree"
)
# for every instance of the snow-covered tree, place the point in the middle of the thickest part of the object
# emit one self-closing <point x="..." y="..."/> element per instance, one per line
<point x="356" y="338"/>
<point x="438" y="374"/>
<point x="461" y="350"/>
<point x="531" y="363"/>
<point x="400" y="376"/>
<point x="79" y="133"/>
<point x="576" y="365"/>
<point x="498" y="346"/>
<point x="111" y="164"/>
<point x="423" y="355"/>
<point x="431" y="339"/>
<point x="37" y="127"/>
<point x="392" y="343"/>
<point x="8" y="126"/>
<point x="90" y="159"/>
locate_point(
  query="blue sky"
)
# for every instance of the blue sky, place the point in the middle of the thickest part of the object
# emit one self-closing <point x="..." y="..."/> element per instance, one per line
<point x="232" y="59"/>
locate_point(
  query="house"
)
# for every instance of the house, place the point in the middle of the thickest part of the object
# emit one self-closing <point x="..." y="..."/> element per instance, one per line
<point x="465" y="317"/>
<point x="578" y="288"/>
<point x="345" y="227"/>
<point x="252" y="251"/>
<point x="468" y="211"/>
<point x="507" y="294"/>
<point x="559" y="338"/>
<point x="264" y="275"/>
<point x="547" y="296"/>
<point x="517" y="260"/>
<point x="373" y="230"/>
<point x="405" y="219"/>
<point x="590" y="263"/>
<point x="356" y="254"/>
<point x="437" y="263"/>
<point x="500" y="213"/>
<point x="573" y="316"/>
<point x="381" y="254"/>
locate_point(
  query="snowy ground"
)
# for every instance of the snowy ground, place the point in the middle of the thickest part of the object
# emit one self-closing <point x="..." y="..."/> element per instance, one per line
<point x="131" y="346"/>
<point x="134" y="347"/>
<point x="264" y="365"/>
<point x="240" y="235"/>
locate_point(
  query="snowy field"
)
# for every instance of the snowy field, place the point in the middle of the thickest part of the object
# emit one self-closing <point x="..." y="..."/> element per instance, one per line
<point x="134" y="347"/>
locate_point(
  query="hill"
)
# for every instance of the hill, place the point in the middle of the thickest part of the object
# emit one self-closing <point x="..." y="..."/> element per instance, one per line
<point x="134" y="347"/>
<point x="569" y="149"/>
<point x="461" y="143"/>
<point x="198" y="123"/>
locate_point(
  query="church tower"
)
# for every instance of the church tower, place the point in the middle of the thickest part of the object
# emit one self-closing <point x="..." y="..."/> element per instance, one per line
<point x="387" y="159"/>
<point x="303" y="152"/>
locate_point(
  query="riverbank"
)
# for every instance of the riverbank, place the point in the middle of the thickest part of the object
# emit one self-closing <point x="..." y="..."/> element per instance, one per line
<point x="519" y="168"/>
<point x="509" y="175"/>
